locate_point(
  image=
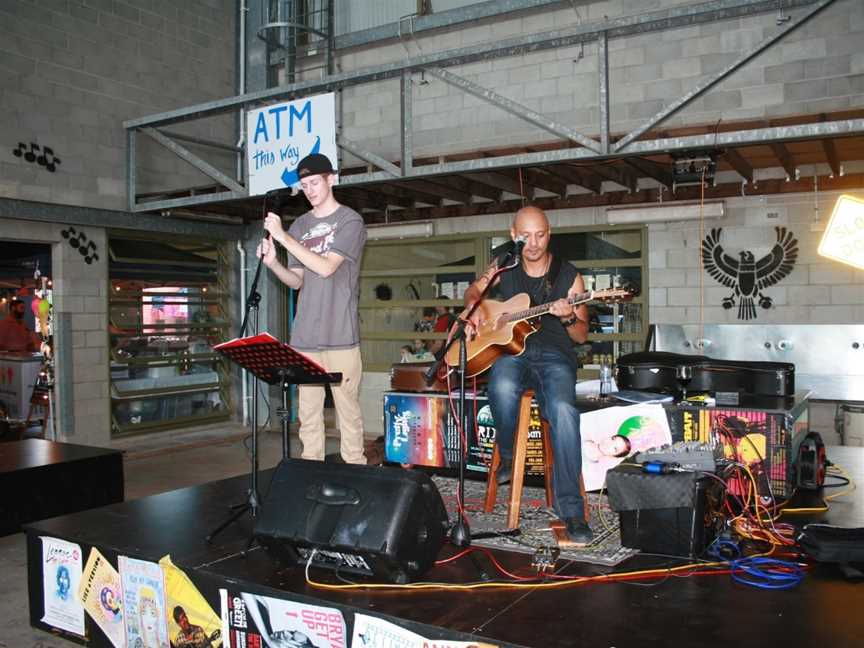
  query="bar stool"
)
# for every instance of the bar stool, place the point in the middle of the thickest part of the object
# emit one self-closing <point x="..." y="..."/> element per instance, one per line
<point x="517" y="476"/>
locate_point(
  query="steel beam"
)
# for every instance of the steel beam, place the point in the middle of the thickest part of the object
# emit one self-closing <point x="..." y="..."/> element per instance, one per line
<point x="603" y="76"/>
<point x="703" y="87"/>
<point x="88" y="216"/>
<point x="442" y="19"/>
<point x="370" y="157"/>
<point x="407" y="100"/>
<point x="202" y="199"/>
<point x="131" y="168"/>
<point x="187" y="155"/>
<point x="180" y="137"/>
<point x="742" y="167"/>
<point x="749" y="137"/>
<point x="664" y="19"/>
<point x="509" y="106"/>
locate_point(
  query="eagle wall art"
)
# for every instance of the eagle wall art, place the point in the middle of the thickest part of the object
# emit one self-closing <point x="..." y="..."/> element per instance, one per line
<point x="745" y="275"/>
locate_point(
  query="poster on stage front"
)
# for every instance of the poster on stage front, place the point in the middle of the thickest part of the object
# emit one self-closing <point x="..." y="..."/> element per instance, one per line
<point x="143" y="603"/>
<point x="372" y="632"/>
<point x="101" y="596"/>
<point x="62" y="564"/>
<point x="255" y="621"/>
<point x="192" y="623"/>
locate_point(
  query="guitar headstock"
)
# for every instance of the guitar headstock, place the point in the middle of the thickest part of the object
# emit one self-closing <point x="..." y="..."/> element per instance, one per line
<point x="613" y="295"/>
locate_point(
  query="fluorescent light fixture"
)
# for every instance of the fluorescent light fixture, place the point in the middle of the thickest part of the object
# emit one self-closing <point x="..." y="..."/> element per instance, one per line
<point x="665" y="212"/>
<point x="843" y="239"/>
<point x="400" y="230"/>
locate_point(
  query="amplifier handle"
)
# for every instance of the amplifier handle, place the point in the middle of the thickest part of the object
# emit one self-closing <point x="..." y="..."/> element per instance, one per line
<point x="332" y="494"/>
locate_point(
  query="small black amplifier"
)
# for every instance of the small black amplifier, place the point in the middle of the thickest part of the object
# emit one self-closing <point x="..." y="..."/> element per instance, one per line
<point x="662" y="514"/>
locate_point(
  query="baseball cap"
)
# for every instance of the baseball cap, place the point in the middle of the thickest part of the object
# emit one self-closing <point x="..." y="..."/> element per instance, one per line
<point x="314" y="164"/>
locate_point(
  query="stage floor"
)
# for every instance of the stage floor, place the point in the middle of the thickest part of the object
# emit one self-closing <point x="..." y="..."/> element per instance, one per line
<point x="695" y="611"/>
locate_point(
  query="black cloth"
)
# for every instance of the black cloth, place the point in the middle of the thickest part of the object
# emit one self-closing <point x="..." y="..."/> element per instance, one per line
<point x="552" y="333"/>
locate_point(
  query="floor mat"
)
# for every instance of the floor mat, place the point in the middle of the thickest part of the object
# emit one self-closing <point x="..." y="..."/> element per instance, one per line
<point x="534" y="520"/>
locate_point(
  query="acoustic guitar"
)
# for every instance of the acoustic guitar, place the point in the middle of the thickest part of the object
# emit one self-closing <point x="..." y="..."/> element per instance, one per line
<point x="505" y="327"/>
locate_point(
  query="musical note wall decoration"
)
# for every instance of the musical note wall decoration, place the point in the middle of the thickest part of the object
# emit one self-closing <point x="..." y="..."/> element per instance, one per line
<point x="43" y="156"/>
<point x="79" y="241"/>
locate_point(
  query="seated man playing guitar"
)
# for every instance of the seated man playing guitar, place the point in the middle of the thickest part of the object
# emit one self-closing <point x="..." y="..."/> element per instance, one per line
<point x="546" y="365"/>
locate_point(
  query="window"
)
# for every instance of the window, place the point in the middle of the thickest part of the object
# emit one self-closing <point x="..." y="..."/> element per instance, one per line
<point x="398" y="280"/>
<point x="166" y="312"/>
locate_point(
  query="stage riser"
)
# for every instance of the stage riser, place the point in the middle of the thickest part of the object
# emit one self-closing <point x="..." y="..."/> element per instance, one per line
<point x="43" y="479"/>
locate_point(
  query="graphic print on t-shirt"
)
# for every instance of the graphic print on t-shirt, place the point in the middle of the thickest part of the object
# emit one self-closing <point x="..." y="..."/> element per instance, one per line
<point x="319" y="238"/>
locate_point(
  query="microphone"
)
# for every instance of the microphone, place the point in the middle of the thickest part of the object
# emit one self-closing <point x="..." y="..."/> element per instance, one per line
<point x="272" y="202"/>
<point x="518" y="245"/>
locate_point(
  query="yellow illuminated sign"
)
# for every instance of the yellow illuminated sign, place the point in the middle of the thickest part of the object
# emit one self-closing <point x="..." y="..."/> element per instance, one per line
<point x="843" y="239"/>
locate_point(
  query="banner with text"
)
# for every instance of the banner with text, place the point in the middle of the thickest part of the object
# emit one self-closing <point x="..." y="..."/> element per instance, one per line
<point x="281" y="135"/>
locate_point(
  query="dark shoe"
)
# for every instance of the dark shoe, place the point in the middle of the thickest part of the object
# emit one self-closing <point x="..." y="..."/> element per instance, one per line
<point x="579" y="532"/>
<point x="505" y="472"/>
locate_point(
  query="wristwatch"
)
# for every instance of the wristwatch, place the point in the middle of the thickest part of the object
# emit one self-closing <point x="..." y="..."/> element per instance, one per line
<point x="570" y="322"/>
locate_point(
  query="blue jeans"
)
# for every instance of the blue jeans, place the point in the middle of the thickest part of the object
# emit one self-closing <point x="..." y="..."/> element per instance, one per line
<point x="552" y="376"/>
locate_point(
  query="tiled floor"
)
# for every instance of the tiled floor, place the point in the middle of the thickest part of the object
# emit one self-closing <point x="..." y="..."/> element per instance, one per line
<point x="151" y="466"/>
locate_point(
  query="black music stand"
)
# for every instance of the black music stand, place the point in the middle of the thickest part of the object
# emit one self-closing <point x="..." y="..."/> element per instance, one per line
<point x="275" y="363"/>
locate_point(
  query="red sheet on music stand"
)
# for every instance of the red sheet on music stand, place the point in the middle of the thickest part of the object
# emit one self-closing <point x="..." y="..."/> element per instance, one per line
<point x="272" y="361"/>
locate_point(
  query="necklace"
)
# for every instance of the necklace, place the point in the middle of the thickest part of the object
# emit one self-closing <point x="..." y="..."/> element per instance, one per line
<point x="537" y="287"/>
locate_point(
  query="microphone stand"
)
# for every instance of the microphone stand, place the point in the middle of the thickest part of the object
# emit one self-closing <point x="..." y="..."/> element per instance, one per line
<point x="460" y="534"/>
<point x="252" y="503"/>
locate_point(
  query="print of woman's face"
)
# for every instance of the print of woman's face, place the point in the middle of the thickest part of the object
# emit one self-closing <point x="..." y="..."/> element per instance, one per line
<point x="63" y="581"/>
<point x="615" y="446"/>
<point x="149" y="618"/>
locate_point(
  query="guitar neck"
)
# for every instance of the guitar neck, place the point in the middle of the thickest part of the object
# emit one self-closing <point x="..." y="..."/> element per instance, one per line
<point x="542" y="309"/>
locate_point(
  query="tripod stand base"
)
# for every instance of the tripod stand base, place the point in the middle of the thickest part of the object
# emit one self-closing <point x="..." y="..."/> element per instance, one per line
<point x="460" y="534"/>
<point x="251" y="504"/>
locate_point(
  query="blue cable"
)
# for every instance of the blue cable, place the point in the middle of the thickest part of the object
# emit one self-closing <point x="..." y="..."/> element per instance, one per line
<point x="766" y="573"/>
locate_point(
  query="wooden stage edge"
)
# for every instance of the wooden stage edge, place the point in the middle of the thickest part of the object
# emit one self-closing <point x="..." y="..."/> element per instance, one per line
<point x="695" y="611"/>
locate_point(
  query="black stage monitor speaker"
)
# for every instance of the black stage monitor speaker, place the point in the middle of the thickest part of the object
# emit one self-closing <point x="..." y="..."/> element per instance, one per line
<point x="388" y="523"/>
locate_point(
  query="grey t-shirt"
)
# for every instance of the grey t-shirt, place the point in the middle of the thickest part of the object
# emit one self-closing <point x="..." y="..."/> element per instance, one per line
<point x="327" y="316"/>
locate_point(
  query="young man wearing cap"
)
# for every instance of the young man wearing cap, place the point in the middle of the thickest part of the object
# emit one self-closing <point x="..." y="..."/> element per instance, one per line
<point x="324" y="249"/>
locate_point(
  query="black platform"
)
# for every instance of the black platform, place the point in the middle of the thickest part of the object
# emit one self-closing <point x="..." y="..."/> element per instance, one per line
<point x="41" y="479"/>
<point x="694" y="611"/>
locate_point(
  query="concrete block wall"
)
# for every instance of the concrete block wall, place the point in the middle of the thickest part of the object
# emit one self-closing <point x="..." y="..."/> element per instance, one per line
<point x="80" y="291"/>
<point x="819" y="67"/>
<point x="71" y="71"/>
<point x="816" y="291"/>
